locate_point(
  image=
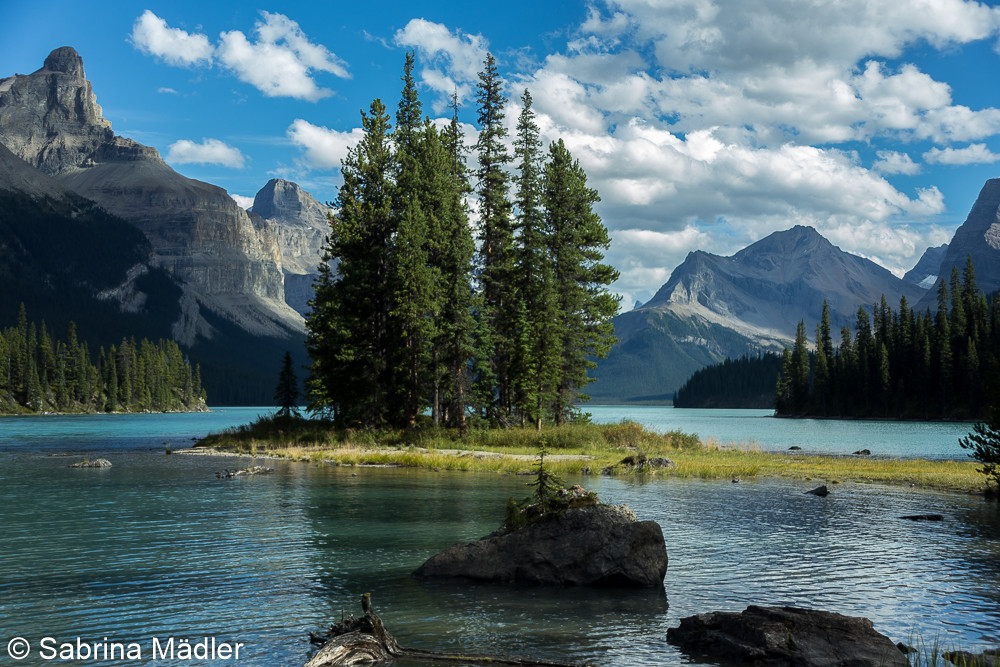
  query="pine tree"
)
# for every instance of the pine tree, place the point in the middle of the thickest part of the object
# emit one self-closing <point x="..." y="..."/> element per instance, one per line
<point x="495" y="243"/>
<point x="348" y="338"/>
<point x="412" y="278"/>
<point x="984" y="441"/>
<point x="577" y="239"/>
<point x="799" y="379"/>
<point x="456" y="329"/>
<point x="535" y="348"/>
<point x="287" y="392"/>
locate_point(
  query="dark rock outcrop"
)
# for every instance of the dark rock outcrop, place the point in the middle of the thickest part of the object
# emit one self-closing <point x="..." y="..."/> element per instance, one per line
<point x="96" y="463"/>
<point x="586" y="546"/>
<point x="923" y="517"/>
<point x="863" y="452"/>
<point x="787" y="637"/>
<point x="821" y="491"/>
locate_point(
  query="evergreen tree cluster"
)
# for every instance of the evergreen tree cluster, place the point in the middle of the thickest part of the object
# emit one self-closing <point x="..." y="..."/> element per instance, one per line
<point x="745" y="382"/>
<point x="899" y="363"/>
<point x="412" y="312"/>
<point x="40" y="373"/>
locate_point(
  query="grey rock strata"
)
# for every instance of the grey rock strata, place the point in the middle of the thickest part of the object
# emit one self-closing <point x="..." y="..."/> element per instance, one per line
<point x="228" y="259"/>
<point x="586" y="546"/>
<point x="787" y="637"/>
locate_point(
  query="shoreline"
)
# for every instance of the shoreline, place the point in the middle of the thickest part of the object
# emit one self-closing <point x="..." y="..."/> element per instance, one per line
<point x="724" y="465"/>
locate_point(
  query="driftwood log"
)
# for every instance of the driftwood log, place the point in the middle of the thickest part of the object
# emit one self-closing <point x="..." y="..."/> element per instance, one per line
<point x="360" y="640"/>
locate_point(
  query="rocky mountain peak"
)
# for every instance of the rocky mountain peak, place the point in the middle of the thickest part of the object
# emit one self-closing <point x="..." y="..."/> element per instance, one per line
<point x="302" y="227"/>
<point x="284" y="201"/>
<point x="51" y="119"/>
<point x="65" y="59"/>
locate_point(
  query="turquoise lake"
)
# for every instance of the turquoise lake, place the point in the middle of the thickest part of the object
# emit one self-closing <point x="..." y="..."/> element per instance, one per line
<point x="156" y="546"/>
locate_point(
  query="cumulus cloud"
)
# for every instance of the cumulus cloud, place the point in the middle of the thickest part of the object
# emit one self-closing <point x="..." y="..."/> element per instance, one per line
<point x="167" y="90"/>
<point x="152" y="36"/>
<point x="324" y="148"/>
<point x="891" y="162"/>
<point x="244" y="201"/>
<point x="452" y="59"/>
<point x="280" y="62"/>
<point x="972" y="154"/>
<point x="209" y="151"/>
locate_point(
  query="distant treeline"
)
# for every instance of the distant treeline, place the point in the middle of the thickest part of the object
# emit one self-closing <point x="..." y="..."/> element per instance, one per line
<point x="899" y="363"/>
<point x="746" y="382"/>
<point x="40" y="373"/>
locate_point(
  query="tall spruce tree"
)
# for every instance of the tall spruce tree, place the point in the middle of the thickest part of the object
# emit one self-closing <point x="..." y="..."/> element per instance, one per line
<point x="577" y="239"/>
<point x="349" y="338"/>
<point x="456" y="249"/>
<point x="286" y="393"/>
<point x="495" y="246"/>
<point x="535" y="349"/>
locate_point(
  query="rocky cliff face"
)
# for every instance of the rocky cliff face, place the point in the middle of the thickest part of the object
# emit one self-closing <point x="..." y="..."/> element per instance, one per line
<point x="229" y="260"/>
<point x="927" y="271"/>
<point x="302" y="227"/>
<point x="715" y="307"/>
<point x="978" y="237"/>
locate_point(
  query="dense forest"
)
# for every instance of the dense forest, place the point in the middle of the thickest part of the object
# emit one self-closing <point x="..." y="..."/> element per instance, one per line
<point x="412" y="313"/>
<point x="900" y="363"/>
<point x="40" y="373"/>
<point x="746" y="382"/>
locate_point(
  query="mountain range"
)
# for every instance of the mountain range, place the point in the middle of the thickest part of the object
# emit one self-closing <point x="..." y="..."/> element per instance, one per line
<point x="716" y="307"/>
<point x="220" y="271"/>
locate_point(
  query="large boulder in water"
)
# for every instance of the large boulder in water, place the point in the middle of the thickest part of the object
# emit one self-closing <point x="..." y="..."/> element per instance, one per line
<point x="96" y="463"/>
<point x="592" y="545"/>
<point x="787" y="637"/>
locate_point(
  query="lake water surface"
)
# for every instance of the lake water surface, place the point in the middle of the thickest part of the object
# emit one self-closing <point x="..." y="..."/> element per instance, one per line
<point x="157" y="546"/>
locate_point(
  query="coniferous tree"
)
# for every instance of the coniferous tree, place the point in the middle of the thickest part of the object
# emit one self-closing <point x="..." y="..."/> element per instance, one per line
<point x="535" y="351"/>
<point x="495" y="244"/>
<point x="349" y="338"/>
<point x="286" y="394"/>
<point x="577" y="239"/>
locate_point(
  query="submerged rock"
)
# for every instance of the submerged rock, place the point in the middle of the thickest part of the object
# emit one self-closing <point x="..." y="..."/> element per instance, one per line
<point x="863" y="452"/>
<point x="819" y="491"/>
<point x="96" y="463"/>
<point x="787" y="637"/>
<point x="592" y="545"/>
<point x="988" y="658"/>
<point x="923" y="517"/>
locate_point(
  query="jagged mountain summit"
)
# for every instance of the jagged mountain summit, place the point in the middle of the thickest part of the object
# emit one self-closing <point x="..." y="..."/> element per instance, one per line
<point x="228" y="260"/>
<point x="927" y="271"/>
<point x="978" y="237"/>
<point x="302" y="227"/>
<point x="158" y="255"/>
<point x="715" y="307"/>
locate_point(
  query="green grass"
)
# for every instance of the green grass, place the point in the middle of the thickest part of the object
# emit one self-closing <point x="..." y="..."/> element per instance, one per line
<point x="595" y="446"/>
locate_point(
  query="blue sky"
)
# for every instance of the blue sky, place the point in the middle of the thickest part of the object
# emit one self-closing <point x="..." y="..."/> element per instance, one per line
<point x="704" y="124"/>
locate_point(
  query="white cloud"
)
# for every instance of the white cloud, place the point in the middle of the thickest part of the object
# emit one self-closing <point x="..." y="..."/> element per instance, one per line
<point x="244" y="201"/>
<point x="325" y="148"/>
<point x="167" y="90"/>
<point x="209" y="151"/>
<point x="891" y="162"/>
<point x="280" y="63"/>
<point x="453" y="59"/>
<point x="972" y="154"/>
<point x="152" y="36"/>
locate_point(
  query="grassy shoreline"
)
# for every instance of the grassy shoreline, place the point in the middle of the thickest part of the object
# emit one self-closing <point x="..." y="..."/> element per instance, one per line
<point x="580" y="448"/>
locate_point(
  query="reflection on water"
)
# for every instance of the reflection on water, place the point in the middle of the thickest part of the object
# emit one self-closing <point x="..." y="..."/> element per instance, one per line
<point x="156" y="546"/>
